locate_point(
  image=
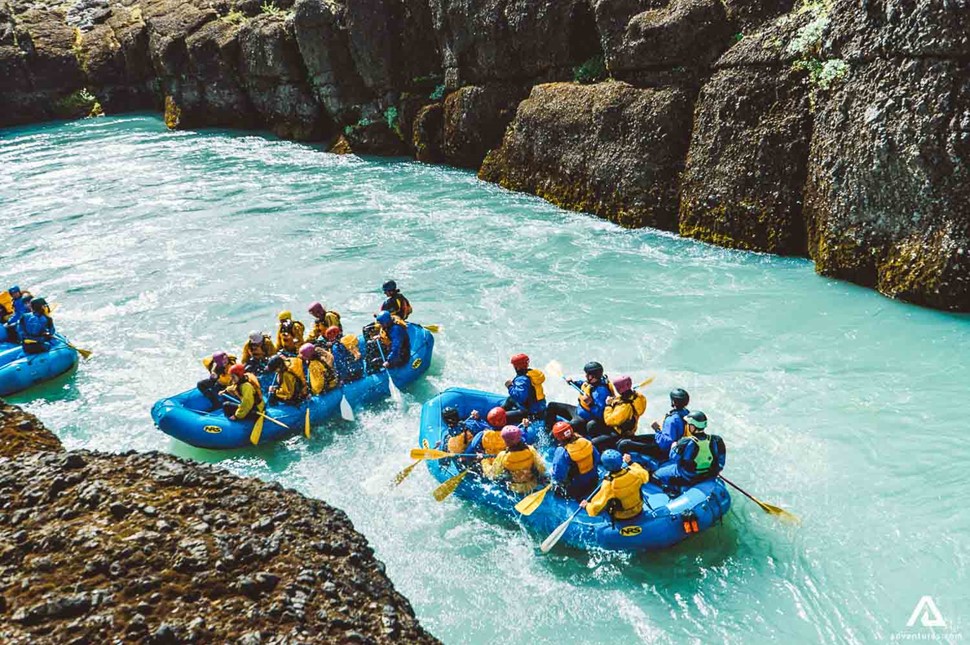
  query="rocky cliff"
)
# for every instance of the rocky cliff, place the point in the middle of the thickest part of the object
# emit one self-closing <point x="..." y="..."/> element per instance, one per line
<point x="98" y="548"/>
<point x="834" y="129"/>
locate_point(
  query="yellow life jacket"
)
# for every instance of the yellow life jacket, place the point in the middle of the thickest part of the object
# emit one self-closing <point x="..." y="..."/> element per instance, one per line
<point x="320" y="326"/>
<point x="519" y="463"/>
<point x="587" y="390"/>
<point x="291" y="384"/>
<point x="352" y="343"/>
<point x="624" y="413"/>
<point x="385" y="337"/>
<point x="459" y="443"/>
<point x="289" y="335"/>
<point x="537" y="378"/>
<point x="492" y="442"/>
<point x="581" y="452"/>
<point x="628" y="501"/>
<point x="252" y="382"/>
<point x="322" y="376"/>
<point x="6" y="304"/>
<point x="223" y="379"/>
<point x="264" y="349"/>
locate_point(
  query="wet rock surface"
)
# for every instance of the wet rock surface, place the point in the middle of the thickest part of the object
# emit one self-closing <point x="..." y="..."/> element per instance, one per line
<point x="149" y="548"/>
<point x="832" y="129"/>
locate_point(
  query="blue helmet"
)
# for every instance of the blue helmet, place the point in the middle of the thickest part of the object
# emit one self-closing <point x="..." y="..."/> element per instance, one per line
<point x="14" y="289"/>
<point x="390" y="285"/>
<point x="612" y="460"/>
<point x="384" y="318"/>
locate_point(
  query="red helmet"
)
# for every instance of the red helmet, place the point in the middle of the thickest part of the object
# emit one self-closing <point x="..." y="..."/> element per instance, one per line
<point x="237" y="370"/>
<point x="520" y="361"/>
<point x="332" y="333"/>
<point x="496" y="417"/>
<point x="563" y="431"/>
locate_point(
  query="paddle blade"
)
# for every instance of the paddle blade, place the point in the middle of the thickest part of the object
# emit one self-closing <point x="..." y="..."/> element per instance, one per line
<point x="428" y="453"/>
<point x="306" y="424"/>
<point x="554" y="368"/>
<point x="644" y="383"/>
<point x="531" y="502"/>
<point x="447" y="488"/>
<point x="346" y="412"/>
<point x="401" y="476"/>
<point x="781" y="513"/>
<point x="555" y="536"/>
<point x="434" y="329"/>
<point x="85" y="353"/>
<point x="395" y="393"/>
<point x="257" y="431"/>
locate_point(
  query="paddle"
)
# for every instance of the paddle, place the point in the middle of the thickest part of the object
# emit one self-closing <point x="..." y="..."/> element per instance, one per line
<point x="257" y="430"/>
<point x="85" y="353"/>
<point x="434" y="329"/>
<point x="346" y="412"/>
<point x="555" y="536"/>
<point x="401" y="476"/>
<point x="306" y="423"/>
<point x="432" y="454"/>
<point x="555" y="369"/>
<point x="261" y="415"/>
<point x="395" y="393"/>
<point x="531" y="502"/>
<point x="447" y="488"/>
<point x="767" y="508"/>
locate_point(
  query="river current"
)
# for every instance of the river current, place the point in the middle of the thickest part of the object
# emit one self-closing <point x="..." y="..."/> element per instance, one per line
<point x="840" y="405"/>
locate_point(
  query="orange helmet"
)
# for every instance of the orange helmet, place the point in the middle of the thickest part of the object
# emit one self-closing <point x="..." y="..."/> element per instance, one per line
<point x="496" y="417"/>
<point x="237" y="370"/>
<point x="520" y="361"/>
<point x="332" y="333"/>
<point x="563" y="431"/>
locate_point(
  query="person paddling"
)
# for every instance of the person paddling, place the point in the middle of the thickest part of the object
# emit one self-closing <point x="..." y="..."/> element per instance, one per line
<point x="320" y="372"/>
<point x="346" y="354"/>
<point x="395" y="303"/>
<point x="289" y="334"/>
<point x="657" y="445"/>
<point x="697" y="456"/>
<point x="394" y="340"/>
<point x="290" y="385"/>
<point x="322" y="320"/>
<point x="620" y="494"/>
<point x="621" y="414"/>
<point x="257" y="351"/>
<point x="574" y="462"/>
<point x="218" y="380"/>
<point x="36" y="328"/>
<point x="527" y="398"/>
<point x="246" y="389"/>
<point x="519" y="463"/>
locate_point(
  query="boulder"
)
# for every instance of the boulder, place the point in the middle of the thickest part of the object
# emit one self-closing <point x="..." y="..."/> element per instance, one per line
<point x="475" y="118"/>
<point x="887" y="199"/>
<point x="609" y="149"/>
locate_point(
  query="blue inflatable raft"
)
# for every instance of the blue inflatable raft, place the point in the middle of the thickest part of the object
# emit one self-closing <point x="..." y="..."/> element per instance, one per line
<point x="19" y="371"/>
<point x="184" y="415"/>
<point x="663" y="523"/>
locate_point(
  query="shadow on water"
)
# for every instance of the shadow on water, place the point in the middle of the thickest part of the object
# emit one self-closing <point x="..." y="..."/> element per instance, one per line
<point x="60" y="388"/>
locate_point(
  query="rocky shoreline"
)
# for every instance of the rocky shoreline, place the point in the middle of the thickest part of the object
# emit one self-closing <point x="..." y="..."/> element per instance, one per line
<point x="831" y="129"/>
<point x="150" y="548"/>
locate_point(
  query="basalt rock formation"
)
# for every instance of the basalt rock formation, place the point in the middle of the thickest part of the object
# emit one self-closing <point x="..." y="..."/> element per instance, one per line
<point x="149" y="548"/>
<point x="833" y="129"/>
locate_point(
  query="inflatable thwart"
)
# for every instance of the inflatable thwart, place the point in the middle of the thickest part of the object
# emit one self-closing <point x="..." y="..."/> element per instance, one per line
<point x="19" y="371"/>
<point x="186" y="417"/>
<point x="664" y="522"/>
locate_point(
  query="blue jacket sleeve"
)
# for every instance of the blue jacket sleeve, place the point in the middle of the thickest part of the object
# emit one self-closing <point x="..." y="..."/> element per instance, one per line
<point x="476" y="443"/>
<point x="398" y="334"/>
<point x="671" y="432"/>
<point x="596" y="458"/>
<point x="520" y="389"/>
<point x="720" y="452"/>
<point x="600" y="395"/>
<point x="560" y="465"/>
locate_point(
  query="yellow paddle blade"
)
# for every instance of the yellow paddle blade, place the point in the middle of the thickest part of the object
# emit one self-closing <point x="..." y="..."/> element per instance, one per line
<point x="257" y="431"/>
<point x="434" y="329"/>
<point x="644" y="383"/>
<point x="401" y="476"/>
<point x="85" y="353"/>
<point x="306" y="424"/>
<point x="531" y="502"/>
<point x="428" y="453"/>
<point x="554" y="368"/>
<point x="447" y="488"/>
<point x="780" y="512"/>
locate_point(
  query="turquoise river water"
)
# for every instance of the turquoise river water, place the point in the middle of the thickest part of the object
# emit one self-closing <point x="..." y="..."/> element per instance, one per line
<point x="845" y="407"/>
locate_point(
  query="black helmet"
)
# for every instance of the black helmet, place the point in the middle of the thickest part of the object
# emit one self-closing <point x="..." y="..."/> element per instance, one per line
<point x="450" y="415"/>
<point x="697" y="419"/>
<point x="679" y="397"/>
<point x="593" y="368"/>
<point x="390" y="285"/>
<point x="37" y="305"/>
<point x="276" y="363"/>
